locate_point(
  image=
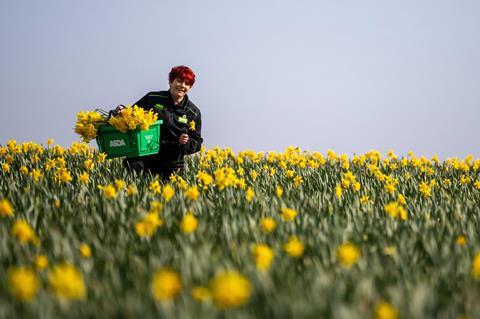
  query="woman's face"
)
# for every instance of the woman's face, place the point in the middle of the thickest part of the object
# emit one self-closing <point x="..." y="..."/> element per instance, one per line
<point x="179" y="88"/>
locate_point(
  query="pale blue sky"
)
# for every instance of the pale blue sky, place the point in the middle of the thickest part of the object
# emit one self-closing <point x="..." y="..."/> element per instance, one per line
<point x="347" y="75"/>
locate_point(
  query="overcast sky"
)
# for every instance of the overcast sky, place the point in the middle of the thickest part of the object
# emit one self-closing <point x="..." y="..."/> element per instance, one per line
<point x="347" y="75"/>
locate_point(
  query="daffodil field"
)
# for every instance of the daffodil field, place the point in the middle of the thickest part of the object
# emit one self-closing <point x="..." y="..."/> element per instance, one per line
<point x="295" y="234"/>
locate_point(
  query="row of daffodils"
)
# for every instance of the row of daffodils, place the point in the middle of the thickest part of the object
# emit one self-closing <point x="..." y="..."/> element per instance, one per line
<point x="250" y="235"/>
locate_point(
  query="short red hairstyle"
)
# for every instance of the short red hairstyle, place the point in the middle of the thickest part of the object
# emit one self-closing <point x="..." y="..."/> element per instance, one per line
<point x="183" y="73"/>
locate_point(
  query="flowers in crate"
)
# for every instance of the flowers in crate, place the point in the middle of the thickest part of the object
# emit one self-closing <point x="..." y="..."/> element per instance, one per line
<point x="87" y="124"/>
<point x="132" y="118"/>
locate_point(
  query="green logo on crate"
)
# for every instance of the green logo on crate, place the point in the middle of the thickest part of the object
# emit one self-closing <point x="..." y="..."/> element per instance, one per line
<point x="117" y="143"/>
<point x="148" y="138"/>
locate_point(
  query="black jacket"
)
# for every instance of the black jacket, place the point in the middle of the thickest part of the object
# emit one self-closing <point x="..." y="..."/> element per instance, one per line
<point x="177" y="119"/>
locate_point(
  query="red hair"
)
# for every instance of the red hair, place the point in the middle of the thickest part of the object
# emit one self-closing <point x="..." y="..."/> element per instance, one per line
<point x="183" y="73"/>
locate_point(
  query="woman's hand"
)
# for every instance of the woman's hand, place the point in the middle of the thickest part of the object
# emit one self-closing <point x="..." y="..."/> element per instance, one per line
<point x="183" y="139"/>
<point x="119" y="109"/>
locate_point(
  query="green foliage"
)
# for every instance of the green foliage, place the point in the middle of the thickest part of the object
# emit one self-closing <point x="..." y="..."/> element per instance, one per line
<point x="415" y="264"/>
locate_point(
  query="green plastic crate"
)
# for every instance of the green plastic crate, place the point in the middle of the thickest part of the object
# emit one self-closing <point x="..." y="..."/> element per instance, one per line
<point x="132" y="143"/>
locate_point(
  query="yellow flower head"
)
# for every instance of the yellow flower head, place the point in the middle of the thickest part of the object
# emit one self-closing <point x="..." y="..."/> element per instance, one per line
<point x="390" y="251"/>
<point x="22" y="283"/>
<point x="475" y="270"/>
<point x="148" y="225"/>
<point x="101" y="157"/>
<point x="109" y="191"/>
<point x="63" y="175"/>
<point x="477" y="184"/>
<point x="155" y="207"/>
<point x="357" y="186"/>
<point x="278" y="191"/>
<point x="395" y="210"/>
<point x="268" y="224"/>
<point x="189" y="223"/>
<point x="249" y="194"/>
<point x="338" y="191"/>
<point x="288" y="214"/>
<point x="192" y="193"/>
<point x="289" y="173"/>
<point x="89" y="164"/>
<point x="461" y="240"/>
<point x="230" y="289"/>
<point x="263" y="256"/>
<point x="85" y="250"/>
<point x="384" y="310"/>
<point x="41" y="262"/>
<point x="365" y="199"/>
<point x="22" y="231"/>
<point x="66" y="282"/>
<point x="166" y="284"/>
<point x="348" y="254"/>
<point x="294" y="247"/>
<point x="6" y="168"/>
<point x="6" y="208"/>
<point x="132" y="118"/>
<point x="180" y="182"/>
<point x="9" y="158"/>
<point x="191" y="126"/>
<point x="24" y="170"/>
<point x="425" y="189"/>
<point x="131" y="190"/>
<point x="84" y="178"/>
<point x="204" y="179"/>
<point x="36" y="174"/>
<point x="120" y="184"/>
<point x="389" y="187"/>
<point x="168" y="192"/>
<point x="201" y="293"/>
<point x="297" y="181"/>
<point x="86" y="125"/>
<point x="155" y="187"/>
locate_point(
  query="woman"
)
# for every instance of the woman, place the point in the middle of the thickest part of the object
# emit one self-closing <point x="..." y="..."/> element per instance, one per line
<point x="180" y="133"/>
